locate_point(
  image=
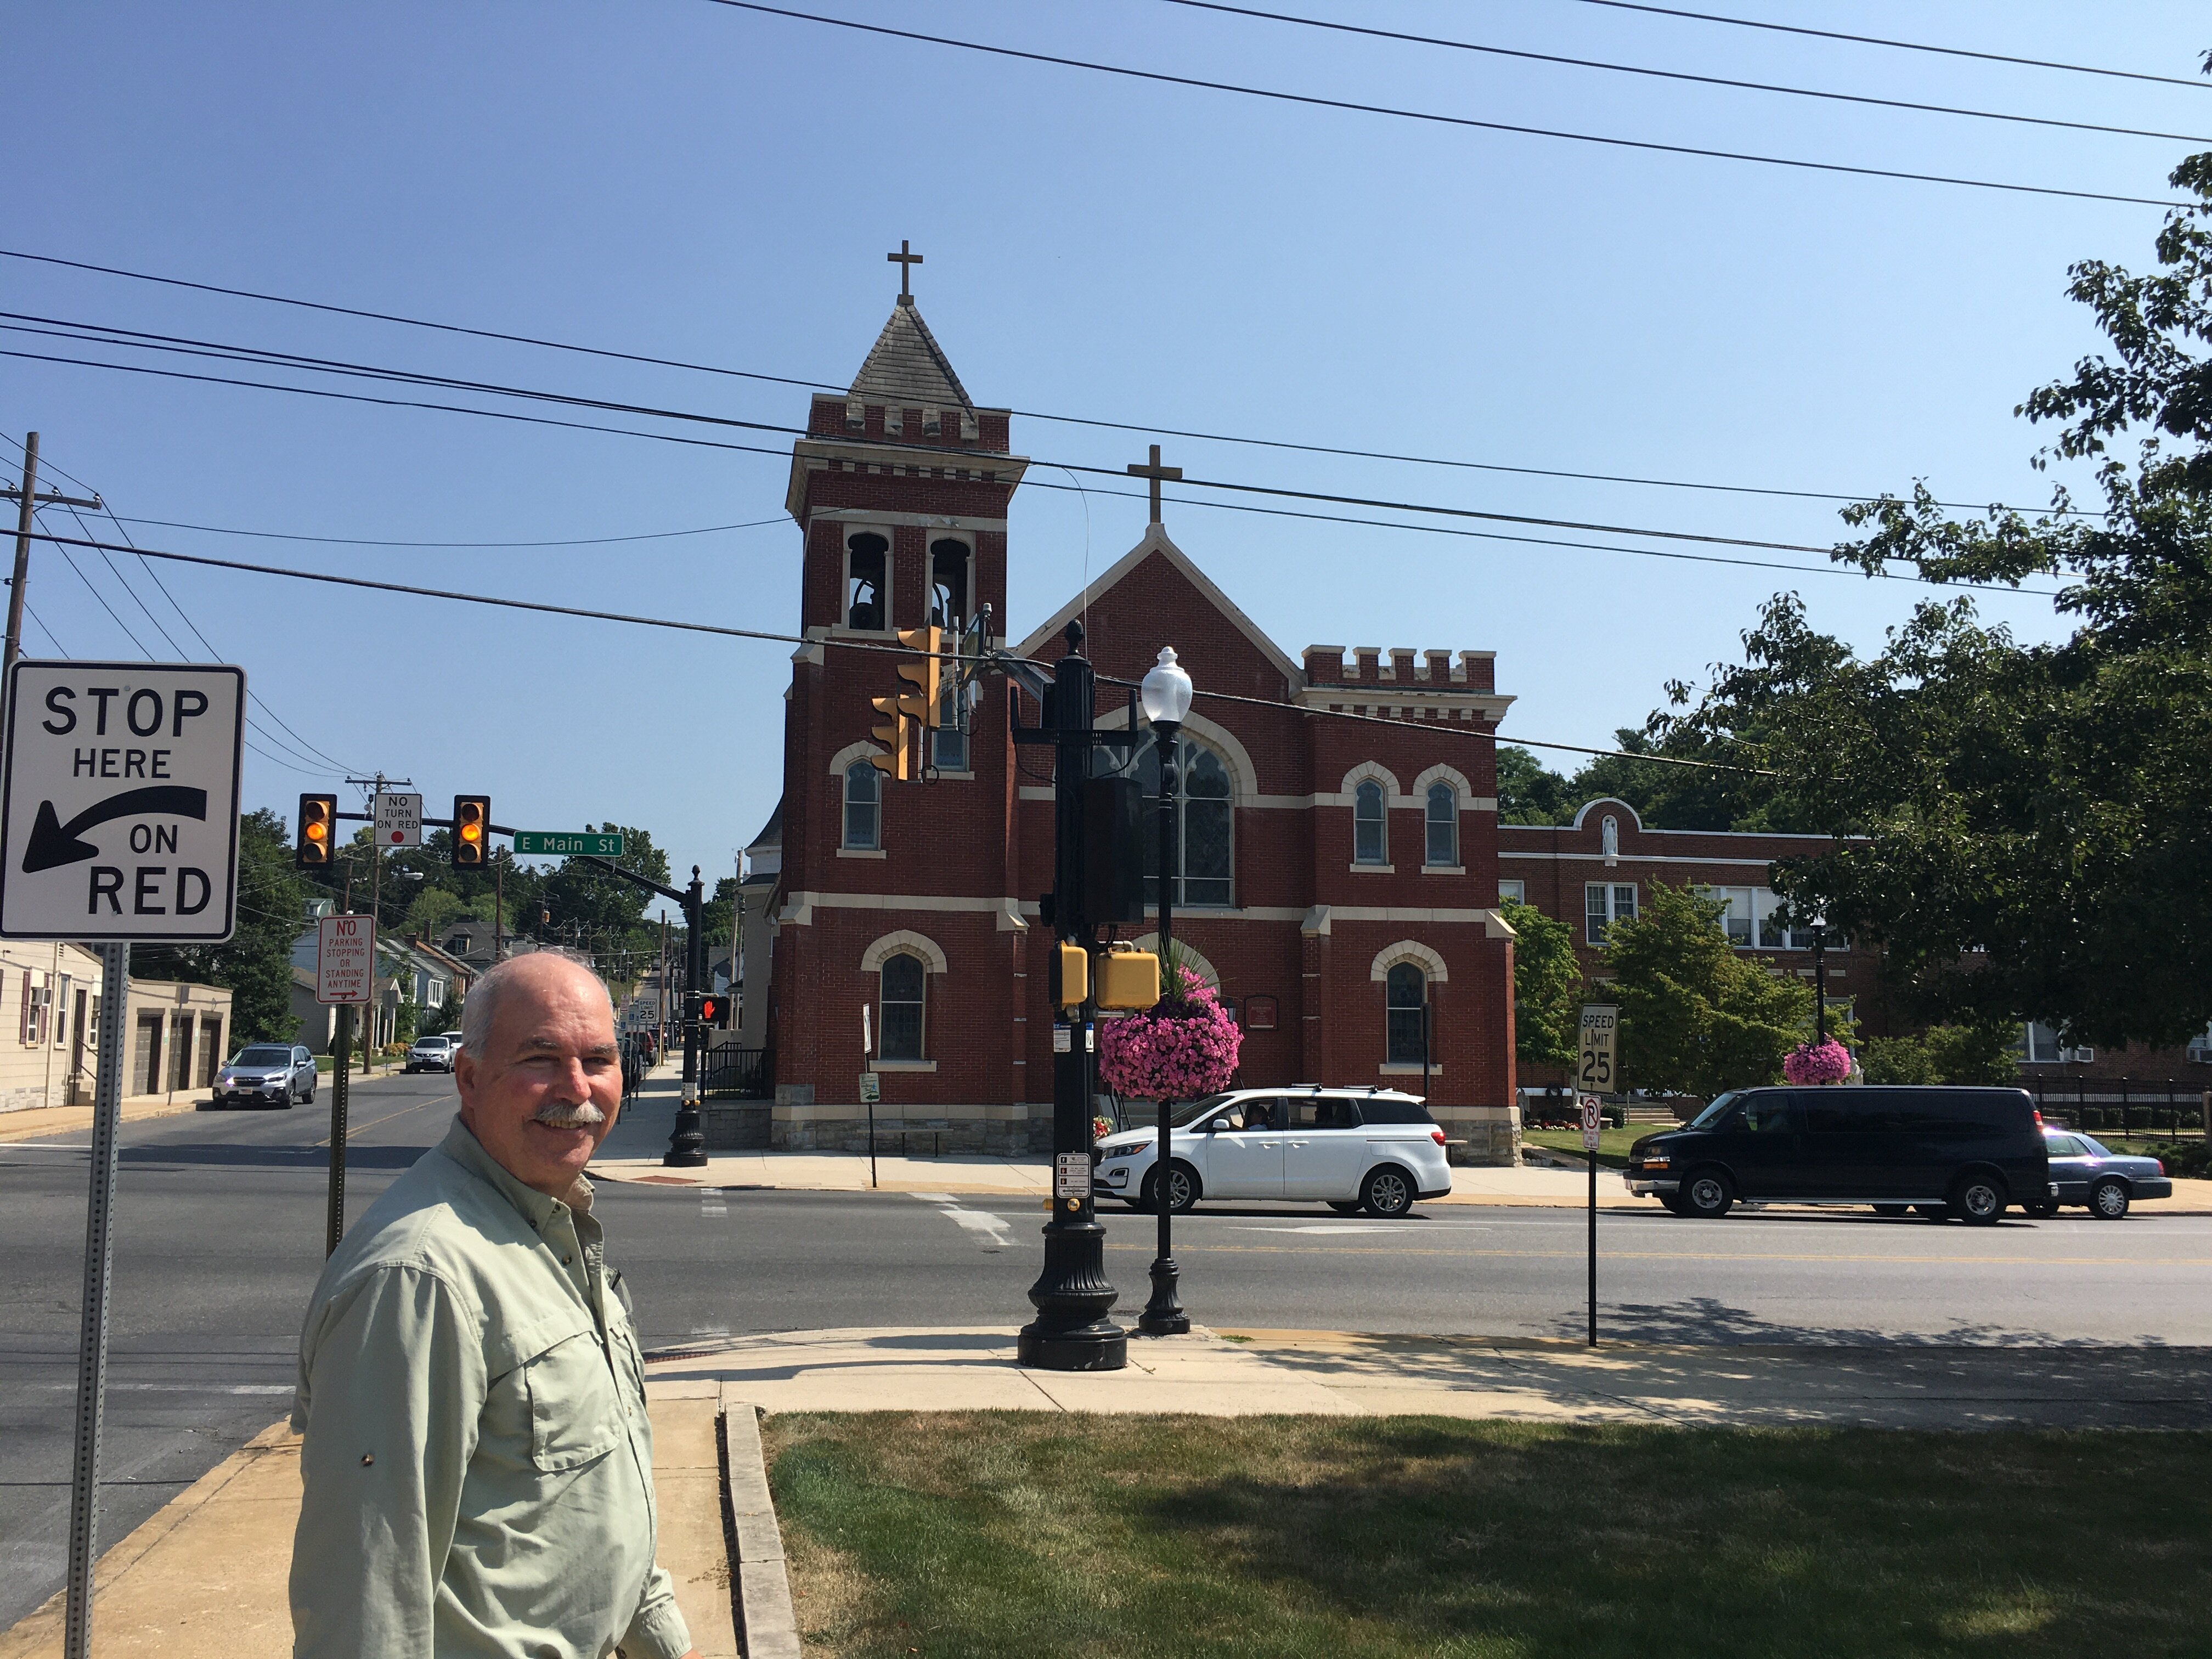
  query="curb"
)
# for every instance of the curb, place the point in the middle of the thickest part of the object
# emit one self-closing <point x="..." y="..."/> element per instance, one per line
<point x="767" y="1624"/>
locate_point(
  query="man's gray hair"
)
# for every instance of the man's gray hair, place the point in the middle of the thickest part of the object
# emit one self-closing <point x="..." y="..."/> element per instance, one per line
<point x="481" y="1006"/>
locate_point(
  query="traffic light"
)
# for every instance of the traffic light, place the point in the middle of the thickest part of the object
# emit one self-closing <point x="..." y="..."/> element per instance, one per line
<point x="927" y="674"/>
<point x="316" y="829"/>
<point x="890" y="731"/>
<point x="472" y="830"/>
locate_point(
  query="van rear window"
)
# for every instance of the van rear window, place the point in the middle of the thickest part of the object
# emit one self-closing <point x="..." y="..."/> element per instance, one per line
<point x="1393" y="1111"/>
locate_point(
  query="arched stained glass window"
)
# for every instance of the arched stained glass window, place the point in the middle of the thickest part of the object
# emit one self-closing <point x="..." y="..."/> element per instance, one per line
<point x="1371" y="844"/>
<point x="900" y="1006"/>
<point x="863" y="805"/>
<point x="1444" y="824"/>
<point x="1408" y="997"/>
<point x="1207" y="812"/>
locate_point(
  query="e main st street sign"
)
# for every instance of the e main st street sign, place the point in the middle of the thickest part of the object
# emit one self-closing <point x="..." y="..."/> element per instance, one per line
<point x="119" y="813"/>
<point x="555" y="844"/>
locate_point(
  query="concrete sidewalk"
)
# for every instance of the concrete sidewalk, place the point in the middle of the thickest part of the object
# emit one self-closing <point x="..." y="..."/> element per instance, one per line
<point x="205" y="1578"/>
<point x="1235" y="1374"/>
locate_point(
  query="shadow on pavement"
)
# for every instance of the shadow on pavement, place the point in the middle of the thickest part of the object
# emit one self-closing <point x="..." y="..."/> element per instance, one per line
<point x="217" y="1153"/>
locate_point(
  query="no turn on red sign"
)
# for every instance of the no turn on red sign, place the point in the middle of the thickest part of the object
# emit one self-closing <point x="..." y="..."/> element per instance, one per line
<point x="118" y="812"/>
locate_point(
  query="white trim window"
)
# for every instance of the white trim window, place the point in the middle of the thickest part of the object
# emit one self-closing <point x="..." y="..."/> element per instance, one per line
<point x="1370" y="839"/>
<point x="864" y="806"/>
<point x="1517" y="891"/>
<point x="902" y="995"/>
<point x="1605" y="903"/>
<point x="1405" y="1004"/>
<point x="1443" y="821"/>
<point x="2200" y="1046"/>
<point x="2039" y="1046"/>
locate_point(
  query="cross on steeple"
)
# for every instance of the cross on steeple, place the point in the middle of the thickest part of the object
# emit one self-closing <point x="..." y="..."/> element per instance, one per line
<point x="906" y="261"/>
<point x="1156" y="473"/>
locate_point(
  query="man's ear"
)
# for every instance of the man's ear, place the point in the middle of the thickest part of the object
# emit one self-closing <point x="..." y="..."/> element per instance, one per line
<point x="464" y="1079"/>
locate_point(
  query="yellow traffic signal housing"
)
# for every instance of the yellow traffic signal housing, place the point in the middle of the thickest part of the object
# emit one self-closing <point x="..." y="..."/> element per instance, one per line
<point x="472" y="828"/>
<point x="317" y="829"/>
<point x="926" y="701"/>
<point x="1128" y="979"/>
<point x="890" y="731"/>
<point x="1071" y="974"/>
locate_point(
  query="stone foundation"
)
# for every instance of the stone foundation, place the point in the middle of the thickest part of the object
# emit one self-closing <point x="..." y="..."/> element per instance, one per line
<point x="908" y="1137"/>
<point x="1481" y="1135"/>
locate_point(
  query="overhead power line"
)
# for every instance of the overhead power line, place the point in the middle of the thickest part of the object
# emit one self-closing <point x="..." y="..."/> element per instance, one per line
<point x="545" y="608"/>
<point x="1681" y="74"/>
<point x="935" y="453"/>
<point x="1025" y="414"/>
<point x="1437" y="118"/>
<point x="1900" y="46"/>
<point x="367" y="540"/>
<point x="1040" y="483"/>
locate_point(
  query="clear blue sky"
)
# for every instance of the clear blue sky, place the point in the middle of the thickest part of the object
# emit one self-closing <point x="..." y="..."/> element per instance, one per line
<point x="673" y="178"/>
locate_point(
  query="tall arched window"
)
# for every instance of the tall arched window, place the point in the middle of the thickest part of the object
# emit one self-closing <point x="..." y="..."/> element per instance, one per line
<point x="864" y="786"/>
<point x="867" y="580"/>
<point x="948" y="582"/>
<point x="1208" y="811"/>
<point x="1444" y="824"/>
<point x="1407" y="998"/>
<point x="899" y="1007"/>
<point x="1369" y="845"/>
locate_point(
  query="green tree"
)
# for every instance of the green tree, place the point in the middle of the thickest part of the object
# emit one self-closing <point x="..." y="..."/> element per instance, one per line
<point x="719" y="916"/>
<point x="2038" y="818"/>
<point x="597" y="910"/>
<point x="1547" y="987"/>
<point x="1945" y="1053"/>
<point x="255" y="963"/>
<point x="1529" y="792"/>
<point x="1698" y="1017"/>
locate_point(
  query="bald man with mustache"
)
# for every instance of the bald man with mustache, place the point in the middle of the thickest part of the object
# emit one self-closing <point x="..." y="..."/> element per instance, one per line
<point x="476" y="1457"/>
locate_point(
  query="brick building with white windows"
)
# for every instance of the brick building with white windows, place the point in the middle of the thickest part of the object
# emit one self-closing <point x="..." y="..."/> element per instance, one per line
<point x="1339" y="878"/>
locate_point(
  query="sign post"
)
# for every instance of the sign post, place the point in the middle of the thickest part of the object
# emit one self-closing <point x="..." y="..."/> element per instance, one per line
<point x="118" y="822"/>
<point x="345" y="974"/>
<point x="871" y="1090"/>
<point x="1596" y="1067"/>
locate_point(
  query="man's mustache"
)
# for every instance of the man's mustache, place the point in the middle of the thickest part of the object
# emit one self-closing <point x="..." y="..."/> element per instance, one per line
<point x="569" y="1115"/>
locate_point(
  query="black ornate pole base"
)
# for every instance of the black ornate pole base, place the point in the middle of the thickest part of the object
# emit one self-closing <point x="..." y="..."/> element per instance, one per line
<point x="1072" y="1332"/>
<point x="687" y="1146"/>
<point x="1164" y="1315"/>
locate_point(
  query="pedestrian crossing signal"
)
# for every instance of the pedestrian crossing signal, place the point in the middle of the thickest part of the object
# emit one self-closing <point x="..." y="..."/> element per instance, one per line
<point x="318" y="821"/>
<point x="472" y="830"/>
<point x="706" y="1007"/>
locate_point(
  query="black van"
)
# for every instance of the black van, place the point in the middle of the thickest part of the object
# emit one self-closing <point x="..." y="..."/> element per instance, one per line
<point x="1964" y="1152"/>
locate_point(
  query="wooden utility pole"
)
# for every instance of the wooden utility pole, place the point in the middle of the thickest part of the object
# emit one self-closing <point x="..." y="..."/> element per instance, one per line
<point x="28" y="503"/>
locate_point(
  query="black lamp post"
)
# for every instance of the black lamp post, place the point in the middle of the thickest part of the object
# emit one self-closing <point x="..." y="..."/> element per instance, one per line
<point x="1166" y="695"/>
<point x="1820" y="979"/>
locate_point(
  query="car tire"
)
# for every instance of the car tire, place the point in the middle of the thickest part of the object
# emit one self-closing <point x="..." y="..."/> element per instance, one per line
<point x="1388" y="1191"/>
<point x="1707" y="1195"/>
<point x="1979" y="1200"/>
<point x="1182" y="1189"/>
<point x="1674" y="1205"/>
<point x="1345" y="1205"/>
<point x="2108" y="1199"/>
<point x="1892" y="1209"/>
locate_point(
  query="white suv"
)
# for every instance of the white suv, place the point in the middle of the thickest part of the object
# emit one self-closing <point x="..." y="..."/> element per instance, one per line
<point x="1352" y="1148"/>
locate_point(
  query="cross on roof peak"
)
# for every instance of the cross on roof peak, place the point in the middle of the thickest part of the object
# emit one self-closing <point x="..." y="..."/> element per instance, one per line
<point x="1156" y="473"/>
<point x="906" y="260"/>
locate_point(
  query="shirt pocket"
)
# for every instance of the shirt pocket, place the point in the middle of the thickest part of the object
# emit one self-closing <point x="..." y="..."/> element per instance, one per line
<point x="575" y="1413"/>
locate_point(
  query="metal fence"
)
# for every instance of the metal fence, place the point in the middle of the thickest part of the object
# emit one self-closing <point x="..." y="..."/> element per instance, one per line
<point x="736" y="1074"/>
<point x="2122" y="1106"/>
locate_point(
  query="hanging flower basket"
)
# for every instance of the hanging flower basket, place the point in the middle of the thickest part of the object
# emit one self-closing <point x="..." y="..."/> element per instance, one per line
<point x="1183" y="1046"/>
<point x="1823" y="1062"/>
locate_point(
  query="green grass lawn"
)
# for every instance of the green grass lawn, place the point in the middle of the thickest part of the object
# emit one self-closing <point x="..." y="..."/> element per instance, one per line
<point x="989" y="1536"/>
<point x="1612" y="1145"/>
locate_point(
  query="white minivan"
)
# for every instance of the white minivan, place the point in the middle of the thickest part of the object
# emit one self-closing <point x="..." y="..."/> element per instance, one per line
<point x="1352" y="1148"/>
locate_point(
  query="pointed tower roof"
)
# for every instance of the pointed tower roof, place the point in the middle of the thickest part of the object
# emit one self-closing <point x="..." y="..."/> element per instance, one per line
<point x="907" y="366"/>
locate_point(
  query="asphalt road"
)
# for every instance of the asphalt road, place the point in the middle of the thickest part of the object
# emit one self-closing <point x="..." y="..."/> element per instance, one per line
<point x="219" y="1237"/>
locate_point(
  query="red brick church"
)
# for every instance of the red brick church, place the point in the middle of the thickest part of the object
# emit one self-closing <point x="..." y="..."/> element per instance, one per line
<point x="1339" y="877"/>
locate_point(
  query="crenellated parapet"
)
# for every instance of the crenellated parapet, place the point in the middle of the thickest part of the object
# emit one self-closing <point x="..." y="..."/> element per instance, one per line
<point x="1406" y="669"/>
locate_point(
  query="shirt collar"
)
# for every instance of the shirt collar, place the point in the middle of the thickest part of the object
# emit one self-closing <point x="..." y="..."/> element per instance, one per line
<point x="462" y="1145"/>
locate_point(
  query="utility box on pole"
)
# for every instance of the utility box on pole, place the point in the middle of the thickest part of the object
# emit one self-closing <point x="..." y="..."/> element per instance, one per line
<point x="1113" y="850"/>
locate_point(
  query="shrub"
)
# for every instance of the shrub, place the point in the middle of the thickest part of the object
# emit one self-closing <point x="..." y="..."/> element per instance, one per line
<point x="1897" y="1060"/>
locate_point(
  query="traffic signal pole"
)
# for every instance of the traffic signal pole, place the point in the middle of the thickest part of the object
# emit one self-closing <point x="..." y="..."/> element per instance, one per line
<point x="1072" y="1332"/>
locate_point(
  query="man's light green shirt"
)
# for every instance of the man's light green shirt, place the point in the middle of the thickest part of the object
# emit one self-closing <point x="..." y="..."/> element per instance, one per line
<point x="477" y="1459"/>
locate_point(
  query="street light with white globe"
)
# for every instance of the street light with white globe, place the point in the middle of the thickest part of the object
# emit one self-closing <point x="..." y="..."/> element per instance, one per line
<point x="1166" y="695"/>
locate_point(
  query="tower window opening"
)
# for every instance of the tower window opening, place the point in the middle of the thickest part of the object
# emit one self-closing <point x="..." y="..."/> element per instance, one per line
<point x="868" y="582"/>
<point x="948" y="583"/>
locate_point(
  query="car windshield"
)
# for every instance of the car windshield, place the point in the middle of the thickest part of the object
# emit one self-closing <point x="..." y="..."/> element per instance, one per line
<point x="263" y="1055"/>
<point x="429" y="1043"/>
<point x="1714" y="1112"/>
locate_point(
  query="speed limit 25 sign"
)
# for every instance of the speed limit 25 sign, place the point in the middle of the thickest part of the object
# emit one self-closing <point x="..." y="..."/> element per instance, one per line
<point x="1596" y="1046"/>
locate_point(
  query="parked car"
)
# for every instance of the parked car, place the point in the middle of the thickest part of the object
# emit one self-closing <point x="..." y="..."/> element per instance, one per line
<point x="1965" y="1153"/>
<point x="2083" y="1171"/>
<point x="430" y="1053"/>
<point x="1351" y="1149"/>
<point x="266" y="1074"/>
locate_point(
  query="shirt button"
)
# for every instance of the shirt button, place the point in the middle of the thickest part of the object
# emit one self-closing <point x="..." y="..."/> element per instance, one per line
<point x="567" y="1262"/>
